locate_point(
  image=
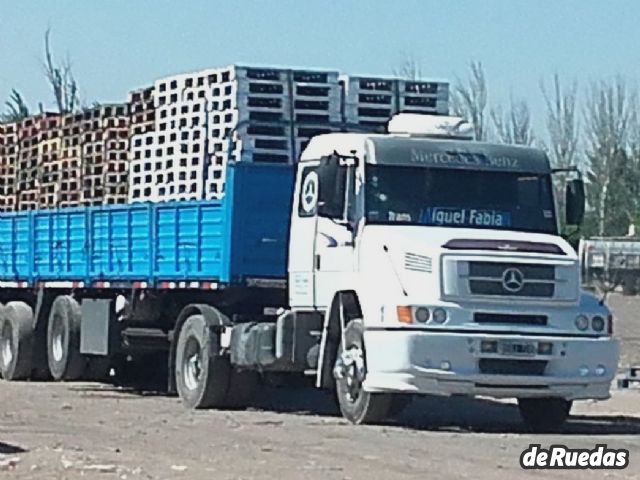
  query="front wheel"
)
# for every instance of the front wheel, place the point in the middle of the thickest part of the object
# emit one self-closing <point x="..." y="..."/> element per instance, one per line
<point x="544" y="414"/>
<point x="349" y="372"/>
<point x="202" y="374"/>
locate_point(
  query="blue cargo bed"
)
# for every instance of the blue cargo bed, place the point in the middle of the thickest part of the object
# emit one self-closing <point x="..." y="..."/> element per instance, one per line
<point x="244" y="235"/>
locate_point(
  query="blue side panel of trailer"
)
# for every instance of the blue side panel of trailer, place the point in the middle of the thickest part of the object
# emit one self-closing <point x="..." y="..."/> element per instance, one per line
<point x="15" y="246"/>
<point x="120" y="242"/>
<point x="190" y="241"/>
<point x="243" y="235"/>
<point x="60" y="247"/>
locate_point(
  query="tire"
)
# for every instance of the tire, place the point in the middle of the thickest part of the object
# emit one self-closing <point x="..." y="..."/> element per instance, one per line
<point x="202" y="374"/>
<point x="356" y="405"/>
<point x="16" y="341"/>
<point x="63" y="340"/>
<point x="544" y="415"/>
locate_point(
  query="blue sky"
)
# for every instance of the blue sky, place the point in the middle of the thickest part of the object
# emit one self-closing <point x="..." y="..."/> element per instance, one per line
<point x="118" y="45"/>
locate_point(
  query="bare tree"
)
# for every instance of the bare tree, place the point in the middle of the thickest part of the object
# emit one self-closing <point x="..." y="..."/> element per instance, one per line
<point x="409" y="68"/>
<point x="563" y="131"/>
<point x="61" y="79"/>
<point x="513" y="126"/>
<point x="469" y="100"/>
<point x="16" y="108"/>
<point x="613" y="172"/>
<point x="563" y="128"/>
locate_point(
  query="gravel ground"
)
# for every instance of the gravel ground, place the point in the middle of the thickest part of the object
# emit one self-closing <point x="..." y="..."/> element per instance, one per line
<point x="89" y="430"/>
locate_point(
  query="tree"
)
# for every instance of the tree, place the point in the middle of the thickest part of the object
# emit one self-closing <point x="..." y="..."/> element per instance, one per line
<point x="16" y="108"/>
<point x="409" y="69"/>
<point x="612" y="172"/>
<point x="563" y="129"/>
<point x="61" y="79"/>
<point x="563" y="132"/>
<point x="513" y="126"/>
<point x="469" y="100"/>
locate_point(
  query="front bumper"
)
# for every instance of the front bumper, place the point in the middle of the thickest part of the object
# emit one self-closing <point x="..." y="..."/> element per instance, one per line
<point x="445" y="363"/>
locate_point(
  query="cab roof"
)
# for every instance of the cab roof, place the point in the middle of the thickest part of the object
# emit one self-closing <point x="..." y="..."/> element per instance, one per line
<point x="413" y="150"/>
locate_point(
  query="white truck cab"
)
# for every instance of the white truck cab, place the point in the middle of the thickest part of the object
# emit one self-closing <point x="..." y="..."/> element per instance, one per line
<point x="438" y="266"/>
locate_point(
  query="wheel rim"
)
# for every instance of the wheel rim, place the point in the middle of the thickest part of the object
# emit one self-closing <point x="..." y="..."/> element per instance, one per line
<point x="6" y="344"/>
<point x="192" y="364"/>
<point x="354" y="371"/>
<point x="57" y="340"/>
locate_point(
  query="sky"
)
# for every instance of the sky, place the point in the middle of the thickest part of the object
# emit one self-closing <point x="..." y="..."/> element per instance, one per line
<point x="118" y="45"/>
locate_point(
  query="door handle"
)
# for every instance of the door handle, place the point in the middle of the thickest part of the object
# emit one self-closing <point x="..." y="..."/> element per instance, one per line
<point x="317" y="261"/>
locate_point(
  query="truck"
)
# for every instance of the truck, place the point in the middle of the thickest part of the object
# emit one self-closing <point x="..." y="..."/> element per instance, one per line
<point x="381" y="266"/>
<point x="611" y="262"/>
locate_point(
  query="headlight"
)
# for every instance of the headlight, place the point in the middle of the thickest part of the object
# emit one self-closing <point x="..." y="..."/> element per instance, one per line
<point x="582" y="322"/>
<point x="422" y="314"/>
<point x="597" y="323"/>
<point x="439" y="315"/>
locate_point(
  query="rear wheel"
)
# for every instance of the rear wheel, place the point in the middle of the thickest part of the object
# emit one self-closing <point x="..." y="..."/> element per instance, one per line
<point x="63" y="340"/>
<point x="16" y="341"/>
<point x="202" y="374"/>
<point x="544" y="414"/>
<point x="350" y="371"/>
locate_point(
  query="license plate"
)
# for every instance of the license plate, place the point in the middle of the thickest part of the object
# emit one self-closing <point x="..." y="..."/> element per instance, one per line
<point x="524" y="349"/>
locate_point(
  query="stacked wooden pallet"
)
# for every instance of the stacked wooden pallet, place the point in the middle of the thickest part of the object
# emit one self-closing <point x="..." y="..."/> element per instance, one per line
<point x="372" y="101"/>
<point x="105" y="148"/>
<point x="267" y="115"/>
<point x="50" y="171"/>
<point x="8" y="163"/>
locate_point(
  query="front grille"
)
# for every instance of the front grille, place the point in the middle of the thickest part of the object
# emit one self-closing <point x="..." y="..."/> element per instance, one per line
<point x="496" y="366"/>
<point x="510" y="319"/>
<point x="487" y="278"/>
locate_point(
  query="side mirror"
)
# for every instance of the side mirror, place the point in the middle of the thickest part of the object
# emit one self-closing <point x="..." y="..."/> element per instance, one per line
<point x="331" y="194"/>
<point x="575" y="202"/>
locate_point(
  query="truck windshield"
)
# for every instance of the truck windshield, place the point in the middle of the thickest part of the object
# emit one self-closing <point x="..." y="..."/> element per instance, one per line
<point x="460" y="198"/>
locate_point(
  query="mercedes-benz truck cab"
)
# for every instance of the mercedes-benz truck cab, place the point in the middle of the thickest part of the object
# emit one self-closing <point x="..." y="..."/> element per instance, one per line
<point x="439" y="268"/>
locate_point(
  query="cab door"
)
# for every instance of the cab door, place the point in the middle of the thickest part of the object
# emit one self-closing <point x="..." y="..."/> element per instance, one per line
<point x="303" y="236"/>
<point x="334" y="260"/>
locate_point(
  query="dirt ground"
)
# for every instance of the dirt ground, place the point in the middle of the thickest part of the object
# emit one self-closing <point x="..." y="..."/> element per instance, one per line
<point x="89" y="430"/>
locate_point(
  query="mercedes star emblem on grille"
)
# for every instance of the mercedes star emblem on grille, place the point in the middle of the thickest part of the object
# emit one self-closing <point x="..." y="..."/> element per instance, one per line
<point x="512" y="280"/>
